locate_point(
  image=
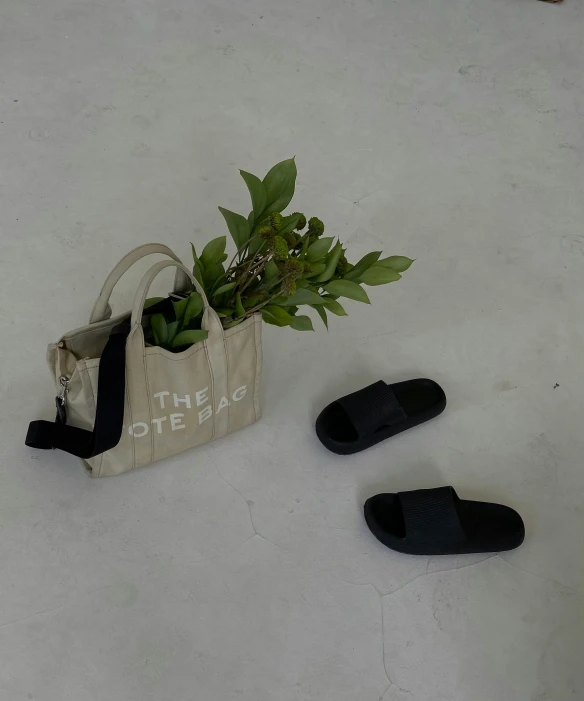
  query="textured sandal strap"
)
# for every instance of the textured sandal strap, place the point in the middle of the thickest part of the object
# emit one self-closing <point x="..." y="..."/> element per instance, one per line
<point x="431" y="517"/>
<point x="372" y="407"/>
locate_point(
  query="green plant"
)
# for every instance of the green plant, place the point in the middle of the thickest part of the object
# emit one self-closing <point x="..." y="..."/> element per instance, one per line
<point x="282" y="262"/>
<point x="178" y="330"/>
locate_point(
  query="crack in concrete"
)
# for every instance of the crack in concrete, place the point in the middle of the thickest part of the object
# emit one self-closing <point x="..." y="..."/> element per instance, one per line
<point x="389" y="679"/>
<point x="447" y="569"/>
<point x="380" y="599"/>
<point x="255" y="530"/>
<point x="33" y="615"/>
<point x="425" y="574"/>
<point x="539" y="576"/>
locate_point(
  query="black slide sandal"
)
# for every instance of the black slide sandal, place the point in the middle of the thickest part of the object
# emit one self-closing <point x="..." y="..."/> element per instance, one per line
<point x="372" y="414"/>
<point x="437" y="522"/>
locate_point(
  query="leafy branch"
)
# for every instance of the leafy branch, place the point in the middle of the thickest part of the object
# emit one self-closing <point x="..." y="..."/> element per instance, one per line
<point x="281" y="263"/>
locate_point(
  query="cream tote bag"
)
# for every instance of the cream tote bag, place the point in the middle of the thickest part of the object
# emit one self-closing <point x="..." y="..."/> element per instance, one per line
<point x="122" y="405"/>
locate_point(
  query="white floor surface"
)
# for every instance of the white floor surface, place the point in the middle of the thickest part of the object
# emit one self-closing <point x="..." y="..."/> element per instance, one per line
<point x="449" y="131"/>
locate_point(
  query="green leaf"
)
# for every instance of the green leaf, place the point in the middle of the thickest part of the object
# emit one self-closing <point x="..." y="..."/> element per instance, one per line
<point x="289" y="224"/>
<point x="224" y="288"/>
<point x="187" y="338"/>
<point x="316" y="269"/>
<point x="239" y="308"/>
<point x="179" y="308"/>
<point x="378" y="275"/>
<point x="238" y="227"/>
<point x="347" y="288"/>
<point x="171" y="330"/>
<point x="277" y="316"/>
<point x="279" y="184"/>
<point x="302" y="296"/>
<point x="331" y="263"/>
<point x="320" y="309"/>
<point x="301" y="323"/>
<point x="257" y="192"/>
<point x="194" y="307"/>
<point x="194" y="323"/>
<point x="271" y="271"/>
<point x="319" y="248"/>
<point x="333" y="306"/>
<point x="225" y="311"/>
<point x="212" y="274"/>
<point x="196" y="258"/>
<point x="198" y="274"/>
<point x="198" y="268"/>
<point x="151" y="301"/>
<point x="214" y="252"/>
<point x="398" y="263"/>
<point x="219" y="282"/>
<point x="364" y="264"/>
<point x="159" y="329"/>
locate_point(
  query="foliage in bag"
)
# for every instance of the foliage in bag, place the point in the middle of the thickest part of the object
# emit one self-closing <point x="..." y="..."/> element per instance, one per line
<point x="282" y="262"/>
<point x="182" y="330"/>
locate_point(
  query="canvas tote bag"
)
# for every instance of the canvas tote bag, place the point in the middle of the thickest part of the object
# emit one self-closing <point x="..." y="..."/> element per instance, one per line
<point x="122" y="405"/>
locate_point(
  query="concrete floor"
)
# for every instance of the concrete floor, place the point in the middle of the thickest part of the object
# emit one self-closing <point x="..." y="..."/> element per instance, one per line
<point x="449" y="131"/>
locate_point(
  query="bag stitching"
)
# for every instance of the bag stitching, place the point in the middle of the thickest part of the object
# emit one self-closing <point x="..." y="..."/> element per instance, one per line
<point x="149" y="403"/>
<point x="226" y="375"/>
<point x="86" y="369"/>
<point x="212" y="384"/>
<point x="255" y="348"/>
<point x="95" y="363"/>
<point x="92" y="330"/>
<point x="257" y="372"/>
<point x="185" y="357"/>
<point x="133" y="466"/>
<point x="94" y="400"/>
<point x="246" y="328"/>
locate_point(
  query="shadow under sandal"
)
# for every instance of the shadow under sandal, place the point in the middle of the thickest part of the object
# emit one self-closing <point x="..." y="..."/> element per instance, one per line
<point x="437" y="522"/>
<point x="372" y="414"/>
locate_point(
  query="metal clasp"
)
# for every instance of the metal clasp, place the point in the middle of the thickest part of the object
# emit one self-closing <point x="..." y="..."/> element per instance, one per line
<point x="64" y="382"/>
<point x="61" y="400"/>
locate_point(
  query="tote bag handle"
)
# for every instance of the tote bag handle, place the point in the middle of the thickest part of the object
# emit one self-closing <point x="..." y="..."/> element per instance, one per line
<point x="101" y="309"/>
<point x="211" y="321"/>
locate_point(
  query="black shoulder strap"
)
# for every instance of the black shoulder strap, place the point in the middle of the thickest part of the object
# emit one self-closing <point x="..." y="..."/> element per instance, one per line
<point x="109" y="410"/>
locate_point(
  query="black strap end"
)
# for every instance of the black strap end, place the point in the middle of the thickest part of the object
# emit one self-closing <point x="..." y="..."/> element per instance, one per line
<point x="40" y="434"/>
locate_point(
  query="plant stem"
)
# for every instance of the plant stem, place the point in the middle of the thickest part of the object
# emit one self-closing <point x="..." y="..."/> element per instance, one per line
<point x="260" y="264"/>
<point x="267" y="301"/>
<point x="239" y="250"/>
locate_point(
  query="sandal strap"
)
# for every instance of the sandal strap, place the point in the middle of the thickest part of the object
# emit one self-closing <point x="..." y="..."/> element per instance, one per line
<point x="431" y="517"/>
<point x="372" y="407"/>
